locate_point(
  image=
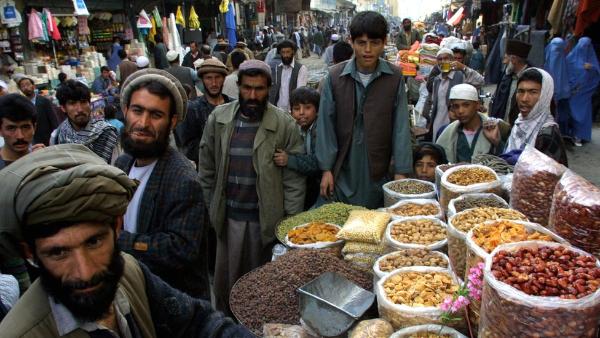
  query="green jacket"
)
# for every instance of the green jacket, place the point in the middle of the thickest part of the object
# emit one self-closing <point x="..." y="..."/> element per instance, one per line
<point x="280" y="190"/>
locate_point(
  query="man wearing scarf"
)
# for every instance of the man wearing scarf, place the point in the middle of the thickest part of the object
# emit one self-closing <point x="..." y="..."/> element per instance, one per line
<point x="66" y="207"/>
<point x="535" y="124"/>
<point x="98" y="135"/>
<point x="246" y="192"/>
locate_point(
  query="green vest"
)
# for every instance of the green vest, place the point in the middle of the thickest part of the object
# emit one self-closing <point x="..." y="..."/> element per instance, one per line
<point x="32" y="317"/>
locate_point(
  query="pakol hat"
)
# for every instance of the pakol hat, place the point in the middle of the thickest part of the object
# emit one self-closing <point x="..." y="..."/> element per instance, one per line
<point x="518" y="48"/>
<point x="212" y="66"/>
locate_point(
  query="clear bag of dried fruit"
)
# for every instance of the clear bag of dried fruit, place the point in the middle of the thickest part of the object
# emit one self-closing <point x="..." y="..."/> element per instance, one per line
<point x="465" y="179"/>
<point x="534" y="180"/>
<point x="575" y="212"/>
<point x="408" y="188"/>
<point x="412" y="296"/>
<point x="418" y="232"/>
<point x="475" y="200"/>
<point x="429" y="331"/>
<point x="372" y="328"/>
<point x="532" y="303"/>
<point x="416" y="207"/>
<point x="407" y="258"/>
<point x="485" y="237"/>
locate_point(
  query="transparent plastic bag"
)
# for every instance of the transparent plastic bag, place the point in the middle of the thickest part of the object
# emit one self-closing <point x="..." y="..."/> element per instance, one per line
<point x="317" y="245"/>
<point x="401" y="316"/>
<point x="439" y="172"/>
<point x="534" y="180"/>
<point x="438" y="245"/>
<point x="380" y="274"/>
<point x="428" y="329"/>
<point x="420" y="201"/>
<point x="390" y="197"/>
<point x="372" y="328"/>
<point x="498" y="202"/>
<point x="451" y="191"/>
<point x="364" y="226"/>
<point x="368" y="248"/>
<point x="476" y="255"/>
<point x="509" y="312"/>
<point x="284" y="331"/>
<point x="575" y="212"/>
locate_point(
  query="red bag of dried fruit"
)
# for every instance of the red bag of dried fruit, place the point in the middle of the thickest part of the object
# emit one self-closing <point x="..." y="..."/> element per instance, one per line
<point x="540" y="289"/>
<point x="534" y="179"/>
<point x="575" y="213"/>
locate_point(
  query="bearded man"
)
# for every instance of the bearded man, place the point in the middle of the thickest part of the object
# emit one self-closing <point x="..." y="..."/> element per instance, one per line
<point x="287" y="76"/>
<point x="163" y="225"/>
<point x="212" y="72"/>
<point x="66" y="207"/>
<point x="246" y="193"/>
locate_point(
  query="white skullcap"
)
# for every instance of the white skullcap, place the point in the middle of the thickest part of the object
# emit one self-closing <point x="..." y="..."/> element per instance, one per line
<point x="464" y="91"/>
<point x="443" y="51"/>
<point x="172" y="55"/>
<point x="3" y="84"/>
<point x="142" y="61"/>
<point x="335" y="37"/>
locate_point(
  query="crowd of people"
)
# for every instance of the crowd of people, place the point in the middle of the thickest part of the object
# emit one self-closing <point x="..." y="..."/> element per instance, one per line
<point x="117" y="224"/>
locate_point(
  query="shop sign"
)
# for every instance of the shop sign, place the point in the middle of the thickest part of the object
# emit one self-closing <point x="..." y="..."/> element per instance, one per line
<point x="80" y="7"/>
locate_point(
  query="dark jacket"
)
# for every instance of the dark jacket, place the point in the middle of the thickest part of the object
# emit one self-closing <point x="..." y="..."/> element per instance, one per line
<point x="501" y="99"/>
<point x="157" y="310"/>
<point x="170" y="236"/>
<point x="188" y="59"/>
<point x="126" y="68"/>
<point x="46" y="120"/>
<point x="402" y="43"/>
<point x="184" y="75"/>
<point x="276" y="87"/>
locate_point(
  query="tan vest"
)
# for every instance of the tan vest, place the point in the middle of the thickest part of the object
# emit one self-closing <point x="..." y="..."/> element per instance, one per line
<point x="378" y="115"/>
<point x="32" y="317"/>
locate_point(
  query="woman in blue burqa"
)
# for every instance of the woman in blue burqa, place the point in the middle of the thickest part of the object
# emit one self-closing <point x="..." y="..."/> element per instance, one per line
<point x="584" y="77"/>
<point x="556" y="65"/>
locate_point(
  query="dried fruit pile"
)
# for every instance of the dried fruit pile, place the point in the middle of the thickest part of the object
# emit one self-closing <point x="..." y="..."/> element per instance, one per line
<point x="313" y="232"/>
<point x="416" y="209"/>
<point x="419" y="289"/>
<point x="471" y="175"/>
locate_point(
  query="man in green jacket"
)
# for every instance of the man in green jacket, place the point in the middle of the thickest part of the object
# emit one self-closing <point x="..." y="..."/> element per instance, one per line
<point x="407" y="35"/>
<point x="246" y="192"/>
<point x="66" y="205"/>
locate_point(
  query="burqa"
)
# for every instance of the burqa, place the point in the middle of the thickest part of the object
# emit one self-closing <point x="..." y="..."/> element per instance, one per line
<point x="583" y="85"/>
<point x="555" y="64"/>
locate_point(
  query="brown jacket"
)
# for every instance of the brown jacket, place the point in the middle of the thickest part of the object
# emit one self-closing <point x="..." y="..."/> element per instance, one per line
<point x="126" y="68"/>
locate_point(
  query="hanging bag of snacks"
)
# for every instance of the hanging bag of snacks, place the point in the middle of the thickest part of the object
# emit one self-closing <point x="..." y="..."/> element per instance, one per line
<point x="525" y="294"/>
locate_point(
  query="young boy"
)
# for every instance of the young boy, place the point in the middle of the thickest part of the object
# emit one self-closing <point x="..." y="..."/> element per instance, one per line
<point x="305" y="105"/>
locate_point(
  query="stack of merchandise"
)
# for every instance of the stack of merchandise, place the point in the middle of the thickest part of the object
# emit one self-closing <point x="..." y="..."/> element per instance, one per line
<point x="428" y="60"/>
<point x="363" y="233"/>
<point x="408" y="60"/>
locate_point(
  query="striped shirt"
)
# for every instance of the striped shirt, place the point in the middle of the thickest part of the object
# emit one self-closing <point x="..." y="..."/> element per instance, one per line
<point x="241" y="195"/>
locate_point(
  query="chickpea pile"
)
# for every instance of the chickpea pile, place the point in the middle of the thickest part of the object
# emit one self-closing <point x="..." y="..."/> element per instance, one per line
<point x="418" y="231"/>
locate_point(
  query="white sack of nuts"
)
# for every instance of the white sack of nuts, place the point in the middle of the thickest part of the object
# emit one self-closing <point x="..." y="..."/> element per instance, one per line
<point x="416" y="207"/>
<point x="408" y="188"/>
<point x="419" y="232"/>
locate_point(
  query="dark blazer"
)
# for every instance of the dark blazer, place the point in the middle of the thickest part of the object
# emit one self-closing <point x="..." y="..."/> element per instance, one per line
<point x="46" y="120"/>
<point x="402" y="43"/>
<point x="170" y="236"/>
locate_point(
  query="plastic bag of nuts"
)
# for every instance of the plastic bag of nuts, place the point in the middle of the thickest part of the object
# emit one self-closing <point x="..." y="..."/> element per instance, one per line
<point x="475" y="200"/>
<point x="533" y="184"/>
<point x="494" y="233"/>
<point x="467" y="179"/>
<point x="418" y="232"/>
<point x="427" y="331"/>
<point x="407" y="258"/>
<point x="411" y="296"/>
<point x="416" y="207"/>
<point x="508" y="311"/>
<point x="440" y="170"/>
<point x="575" y="213"/>
<point x="462" y="222"/>
<point x="372" y="328"/>
<point x="408" y="188"/>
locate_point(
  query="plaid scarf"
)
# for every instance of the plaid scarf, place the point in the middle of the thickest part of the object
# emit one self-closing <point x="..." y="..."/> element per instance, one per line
<point x="87" y="136"/>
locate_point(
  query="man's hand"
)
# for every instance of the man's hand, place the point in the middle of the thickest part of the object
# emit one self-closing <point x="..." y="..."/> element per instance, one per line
<point x="587" y="66"/>
<point x="458" y="66"/>
<point x="327" y="184"/>
<point x="37" y="147"/>
<point x="399" y="177"/>
<point x="492" y="133"/>
<point x="280" y="158"/>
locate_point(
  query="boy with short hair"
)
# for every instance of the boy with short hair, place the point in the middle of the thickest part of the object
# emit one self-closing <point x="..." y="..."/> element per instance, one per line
<point x="304" y="103"/>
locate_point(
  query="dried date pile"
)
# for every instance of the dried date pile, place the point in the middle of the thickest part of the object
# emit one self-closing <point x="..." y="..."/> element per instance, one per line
<point x="268" y="294"/>
<point x="548" y="271"/>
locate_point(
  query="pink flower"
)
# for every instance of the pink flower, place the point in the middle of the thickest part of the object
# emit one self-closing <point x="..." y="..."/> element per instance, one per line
<point x="463" y="301"/>
<point x="447" y="304"/>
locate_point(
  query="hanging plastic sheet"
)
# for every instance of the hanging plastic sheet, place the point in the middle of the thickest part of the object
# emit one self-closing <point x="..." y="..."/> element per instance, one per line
<point x="230" y="25"/>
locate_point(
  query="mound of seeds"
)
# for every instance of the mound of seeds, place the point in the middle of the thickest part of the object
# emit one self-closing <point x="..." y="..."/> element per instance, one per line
<point x="410" y="187"/>
<point x="478" y="202"/>
<point x="268" y="294"/>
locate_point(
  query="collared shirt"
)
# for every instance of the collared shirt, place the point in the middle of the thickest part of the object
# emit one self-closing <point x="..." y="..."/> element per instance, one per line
<point x="284" y="89"/>
<point x="34" y="99"/>
<point x="66" y="322"/>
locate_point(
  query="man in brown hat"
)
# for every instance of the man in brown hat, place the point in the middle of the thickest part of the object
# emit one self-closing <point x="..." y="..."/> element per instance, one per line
<point x="212" y="73"/>
<point x="504" y="104"/>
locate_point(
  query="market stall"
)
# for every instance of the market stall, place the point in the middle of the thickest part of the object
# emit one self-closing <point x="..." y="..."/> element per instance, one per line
<point x="490" y="253"/>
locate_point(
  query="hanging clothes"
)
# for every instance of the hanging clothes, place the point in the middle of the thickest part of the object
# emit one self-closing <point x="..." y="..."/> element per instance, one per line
<point x="82" y="25"/>
<point x="555" y="16"/>
<point x="157" y="19"/>
<point x="556" y="65"/>
<point x="193" y="19"/>
<point x="493" y="64"/>
<point x="588" y="12"/>
<point x="34" y="26"/>
<point x="152" y="32"/>
<point x="165" y="30"/>
<point x="179" y="17"/>
<point x="584" y="77"/>
<point x="174" y="38"/>
<point x="230" y="25"/>
<point x="570" y="14"/>
<point x="55" y="32"/>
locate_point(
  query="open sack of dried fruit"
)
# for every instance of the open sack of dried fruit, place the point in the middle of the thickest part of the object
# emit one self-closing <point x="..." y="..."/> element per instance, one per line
<point x="465" y="179"/>
<point x="416" y="207"/>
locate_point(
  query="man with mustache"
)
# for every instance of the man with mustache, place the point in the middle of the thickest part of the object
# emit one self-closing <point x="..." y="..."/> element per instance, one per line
<point x="46" y="118"/>
<point x="163" y="225"/>
<point x="18" y="121"/>
<point x="212" y="72"/>
<point x="75" y="101"/>
<point x="288" y="75"/>
<point x="66" y="207"/>
<point x="504" y="103"/>
<point x="246" y="192"/>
